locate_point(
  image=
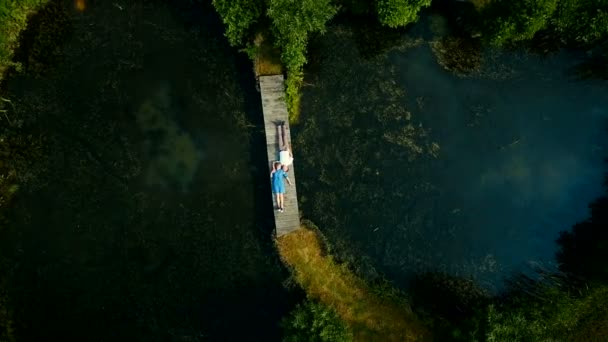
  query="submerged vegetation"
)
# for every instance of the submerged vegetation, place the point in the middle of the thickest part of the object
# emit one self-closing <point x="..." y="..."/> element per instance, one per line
<point x="120" y="229"/>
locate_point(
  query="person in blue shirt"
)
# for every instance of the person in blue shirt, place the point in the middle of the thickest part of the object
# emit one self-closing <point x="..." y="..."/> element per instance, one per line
<point x="277" y="175"/>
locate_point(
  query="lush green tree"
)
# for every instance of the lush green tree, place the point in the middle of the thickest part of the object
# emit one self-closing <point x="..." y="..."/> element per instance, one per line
<point x="395" y="13"/>
<point x="582" y="21"/>
<point x="507" y="21"/>
<point x="239" y="16"/>
<point x="315" y="322"/>
<point x="293" y="21"/>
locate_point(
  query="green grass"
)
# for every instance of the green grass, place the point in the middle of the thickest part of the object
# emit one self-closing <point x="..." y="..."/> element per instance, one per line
<point x="266" y="58"/>
<point x="371" y="317"/>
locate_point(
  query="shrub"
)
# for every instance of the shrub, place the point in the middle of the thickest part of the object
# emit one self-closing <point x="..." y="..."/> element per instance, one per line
<point x="558" y="316"/>
<point x="395" y="13"/>
<point x="293" y="21"/>
<point x="582" y="21"/>
<point x="239" y="16"/>
<point x="508" y="21"/>
<point x="313" y="321"/>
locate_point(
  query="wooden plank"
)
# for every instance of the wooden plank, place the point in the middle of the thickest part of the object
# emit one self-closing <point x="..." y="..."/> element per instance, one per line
<point x="272" y="89"/>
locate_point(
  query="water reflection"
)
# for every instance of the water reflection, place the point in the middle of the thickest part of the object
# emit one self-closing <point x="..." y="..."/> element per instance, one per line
<point x="172" y="155"/>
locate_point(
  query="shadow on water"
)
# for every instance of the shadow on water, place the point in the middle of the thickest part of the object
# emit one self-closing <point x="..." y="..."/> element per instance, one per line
<point x="410" y="169"/>
<point x="148" y="218"/>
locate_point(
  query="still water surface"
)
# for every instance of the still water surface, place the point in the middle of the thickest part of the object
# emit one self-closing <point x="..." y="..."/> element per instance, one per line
<point x="496" y="163"/>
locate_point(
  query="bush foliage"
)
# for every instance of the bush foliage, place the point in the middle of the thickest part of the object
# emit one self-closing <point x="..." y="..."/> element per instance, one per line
<point x="293" y="22"/>
<point x="582" y="21"/>
<point x="558" y="316"/>
<point x="396" y="13"/>
<point x="512" y="21"/>
<point x="569" y="21"/>
<point x="314" y="322"/>
<point x="238" y="16"/>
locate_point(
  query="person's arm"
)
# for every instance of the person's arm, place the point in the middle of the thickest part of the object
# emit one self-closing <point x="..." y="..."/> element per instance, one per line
<point x="272" y="173"/>
<point x="287" y="179"/>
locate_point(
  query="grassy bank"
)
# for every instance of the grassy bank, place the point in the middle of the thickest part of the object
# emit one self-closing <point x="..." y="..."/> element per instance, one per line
<point x="369" y="315"/>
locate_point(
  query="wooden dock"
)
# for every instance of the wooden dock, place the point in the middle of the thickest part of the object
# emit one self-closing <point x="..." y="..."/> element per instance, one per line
<point x="272" y="89"/>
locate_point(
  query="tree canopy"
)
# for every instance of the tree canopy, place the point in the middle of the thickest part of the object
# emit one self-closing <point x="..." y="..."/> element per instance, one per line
<point x="569" y="21"/>
<point x="293" y="21"/>
<point x="396" y="13"/>
<point x="511" y="21"/>
<point x="239" y="16"/>
<point x="582" y="21"/>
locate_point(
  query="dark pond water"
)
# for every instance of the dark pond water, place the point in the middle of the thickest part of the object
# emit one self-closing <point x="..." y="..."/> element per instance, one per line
<point x="147" y="217"/>
<point x="410" y="169"/>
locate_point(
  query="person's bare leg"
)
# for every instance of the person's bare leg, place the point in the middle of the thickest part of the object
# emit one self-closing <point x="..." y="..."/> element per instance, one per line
<point x="278" y="201"/>
<point x="282" y="201"/>
<point x="284" y="135"/>
<point x="280" y="138"/>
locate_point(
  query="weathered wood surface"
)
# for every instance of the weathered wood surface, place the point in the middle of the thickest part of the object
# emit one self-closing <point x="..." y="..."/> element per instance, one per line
<point x="272" y="89"/>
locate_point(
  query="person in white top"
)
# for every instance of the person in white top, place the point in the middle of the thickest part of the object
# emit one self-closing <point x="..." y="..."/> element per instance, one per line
<point x="285" y="155"/>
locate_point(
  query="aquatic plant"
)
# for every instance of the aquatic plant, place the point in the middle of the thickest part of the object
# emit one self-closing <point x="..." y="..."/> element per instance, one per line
<point x="458" y="55"/>
<point x="6" y="316"/>
<point x="20" y="149"/>
<point x="239" y="16"/>
<point x="374" y="39"/>
<point x="453" y="307"/>
<point x="155" y="257"/>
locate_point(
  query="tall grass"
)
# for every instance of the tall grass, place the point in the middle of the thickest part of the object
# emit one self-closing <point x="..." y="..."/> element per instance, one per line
<point x="266" y="58"/>
<point x="369" y="316"/>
